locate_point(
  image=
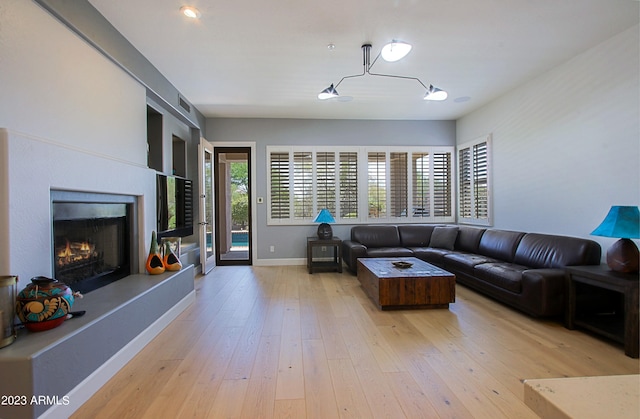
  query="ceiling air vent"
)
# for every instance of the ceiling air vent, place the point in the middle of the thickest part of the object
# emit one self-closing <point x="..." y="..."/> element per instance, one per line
<point x="184" y="104"/>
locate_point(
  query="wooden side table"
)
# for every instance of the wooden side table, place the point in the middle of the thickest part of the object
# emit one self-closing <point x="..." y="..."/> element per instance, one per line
<point x="324" y="265"/>
<point x="604" y="302"/>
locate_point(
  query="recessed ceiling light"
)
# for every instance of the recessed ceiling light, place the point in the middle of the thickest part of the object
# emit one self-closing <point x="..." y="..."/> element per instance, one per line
<point x="190" y="11"/>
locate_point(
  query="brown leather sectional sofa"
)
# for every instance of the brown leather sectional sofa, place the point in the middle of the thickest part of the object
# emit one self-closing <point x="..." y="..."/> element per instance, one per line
<point x="523" y="270"/>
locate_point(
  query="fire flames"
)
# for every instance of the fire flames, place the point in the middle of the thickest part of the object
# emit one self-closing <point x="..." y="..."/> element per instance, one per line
<point x="75" y="252"/>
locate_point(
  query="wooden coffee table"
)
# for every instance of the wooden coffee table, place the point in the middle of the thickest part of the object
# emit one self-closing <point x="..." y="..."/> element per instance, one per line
<point x="420" y="286"/>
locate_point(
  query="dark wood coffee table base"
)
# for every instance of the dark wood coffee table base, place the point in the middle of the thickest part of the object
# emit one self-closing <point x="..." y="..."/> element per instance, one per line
<point x="420" y="286"/>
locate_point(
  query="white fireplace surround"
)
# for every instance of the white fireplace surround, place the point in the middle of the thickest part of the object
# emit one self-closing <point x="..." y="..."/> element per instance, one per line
<point x="30" y="168"/>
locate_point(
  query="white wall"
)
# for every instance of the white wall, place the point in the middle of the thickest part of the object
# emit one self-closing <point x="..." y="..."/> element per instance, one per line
<point x="55" y="86"/>
<point x="69" y="119"/>
<point x="566" y="145"/>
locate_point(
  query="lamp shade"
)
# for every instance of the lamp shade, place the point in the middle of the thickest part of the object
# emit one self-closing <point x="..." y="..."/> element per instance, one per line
<point x="623" y="223"/>
<point x="620" y="222"/>
<point x="324" y="217"/>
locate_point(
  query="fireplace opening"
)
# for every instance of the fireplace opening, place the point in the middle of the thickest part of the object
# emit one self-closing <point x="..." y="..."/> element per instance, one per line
<point x="92" y="241"/>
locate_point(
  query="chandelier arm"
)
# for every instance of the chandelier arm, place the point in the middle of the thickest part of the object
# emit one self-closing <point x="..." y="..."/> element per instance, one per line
<point x="399" y="77"/>
<point x="349" y="77"/>
<point x="370" y="66"/>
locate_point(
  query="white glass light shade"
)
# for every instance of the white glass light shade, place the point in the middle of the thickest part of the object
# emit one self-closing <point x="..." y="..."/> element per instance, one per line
<point x="328" y="93"/>
<point x="435" y="94"/>
<point x="395" y="50"/>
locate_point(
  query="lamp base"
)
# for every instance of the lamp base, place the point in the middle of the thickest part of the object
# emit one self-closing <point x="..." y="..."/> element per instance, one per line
<point x="623" y="256"/>
<point x="325" y="232"/>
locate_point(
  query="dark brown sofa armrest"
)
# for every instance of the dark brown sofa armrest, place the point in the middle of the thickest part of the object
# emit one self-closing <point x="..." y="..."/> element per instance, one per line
<point x="543" y="291"/>
<point x="351" y="251"/>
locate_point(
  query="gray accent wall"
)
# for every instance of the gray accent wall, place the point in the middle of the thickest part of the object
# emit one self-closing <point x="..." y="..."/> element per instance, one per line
<point x="290" y="241"/>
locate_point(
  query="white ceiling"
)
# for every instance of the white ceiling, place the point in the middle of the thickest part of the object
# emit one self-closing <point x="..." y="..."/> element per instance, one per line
<point x="269" y="58"/>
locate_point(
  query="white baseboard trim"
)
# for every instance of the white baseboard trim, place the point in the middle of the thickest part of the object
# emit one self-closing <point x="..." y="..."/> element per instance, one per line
<point x="279" y="262"/>
<point x="90" y="385"/>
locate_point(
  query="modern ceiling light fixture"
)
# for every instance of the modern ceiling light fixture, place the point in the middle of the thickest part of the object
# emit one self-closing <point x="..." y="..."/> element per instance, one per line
<point x="433" y="93"/>
<point x="393" y="51"/>
<point x="328" y="93"/>
<point x="190" y="12"/>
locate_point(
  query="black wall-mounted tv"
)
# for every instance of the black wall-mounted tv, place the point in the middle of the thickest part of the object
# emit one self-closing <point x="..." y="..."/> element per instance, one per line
<point x="174" y="206"/>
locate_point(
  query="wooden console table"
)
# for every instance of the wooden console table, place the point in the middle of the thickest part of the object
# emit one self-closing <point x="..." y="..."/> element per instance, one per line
<point x="604" y="302"/>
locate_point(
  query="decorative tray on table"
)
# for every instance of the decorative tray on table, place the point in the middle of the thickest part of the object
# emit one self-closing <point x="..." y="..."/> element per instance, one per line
<point x="402" y="265"/>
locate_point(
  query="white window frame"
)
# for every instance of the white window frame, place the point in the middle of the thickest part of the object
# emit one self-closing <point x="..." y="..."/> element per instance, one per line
<point x="362" y="202"/>
<point x="474" y="219"/>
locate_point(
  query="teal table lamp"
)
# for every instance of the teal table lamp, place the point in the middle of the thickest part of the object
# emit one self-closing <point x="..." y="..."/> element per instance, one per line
<point x="324" y="217"/>
<point x="624" y="223"/>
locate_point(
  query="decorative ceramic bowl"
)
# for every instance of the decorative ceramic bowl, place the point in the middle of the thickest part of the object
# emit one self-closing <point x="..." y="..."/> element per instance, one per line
<point x="44" y="304"/>
<point x="402" y="265"/>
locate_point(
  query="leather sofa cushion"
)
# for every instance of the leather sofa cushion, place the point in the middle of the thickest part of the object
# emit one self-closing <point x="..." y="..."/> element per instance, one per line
<point x="465" y="262"/>
<point x="469" y="239"/>
<point x="444" y="237"/>
<point x="430" y="254"/>
<point x="388" y="252"/>
<point x="549" y="251"/>
<point x="415" y="235"/>
<point x="500" y="244"/>
<point x="376" y="236"/>
<point x="507" y="276"/>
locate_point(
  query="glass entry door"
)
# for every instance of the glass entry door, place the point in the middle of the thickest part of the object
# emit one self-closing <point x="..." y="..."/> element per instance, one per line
<point x="232" y="170"/>
<point x="207" y="209"/>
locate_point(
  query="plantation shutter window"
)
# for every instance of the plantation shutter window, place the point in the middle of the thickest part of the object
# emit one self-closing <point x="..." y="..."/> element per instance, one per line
<point x="442" y="200"/>
<point x="348" y="185"/>
<point x="362" y="184"/>
<point x="420" y="185"/>
<point x="474" y="174"/>
<point x="326" y="181"/>
<point x="279" y="186"/>
<point x="377" y="189"/>
<point x="302" y="185"/>
<point x="480" y="181"/>
<point x="398" y="183"/>
<point x="464" y="183"/>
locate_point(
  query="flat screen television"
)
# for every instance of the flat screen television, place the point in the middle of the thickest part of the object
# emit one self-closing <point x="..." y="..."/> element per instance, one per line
<point x="174" y="206"/>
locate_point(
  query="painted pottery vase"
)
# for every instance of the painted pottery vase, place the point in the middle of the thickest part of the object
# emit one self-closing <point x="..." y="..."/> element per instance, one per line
<point x="154" y="263"/>
<point x="44" y="304"/>
<point x="170" y="260"/>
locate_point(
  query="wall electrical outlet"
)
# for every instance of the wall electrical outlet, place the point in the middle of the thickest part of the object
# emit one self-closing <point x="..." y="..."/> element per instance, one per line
<point x="272" y="248"/>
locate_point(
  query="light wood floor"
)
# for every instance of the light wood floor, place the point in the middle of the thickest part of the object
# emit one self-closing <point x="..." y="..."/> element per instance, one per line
<point x="263" y="342"/>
